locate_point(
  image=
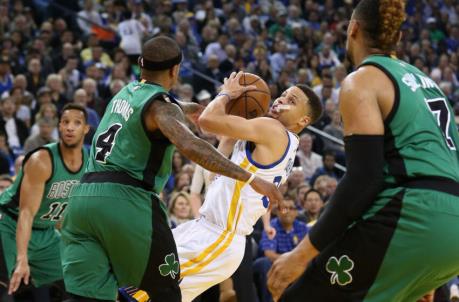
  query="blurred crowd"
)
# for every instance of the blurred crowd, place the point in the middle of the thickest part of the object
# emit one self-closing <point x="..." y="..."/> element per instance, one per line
<point x="56" y="52"/>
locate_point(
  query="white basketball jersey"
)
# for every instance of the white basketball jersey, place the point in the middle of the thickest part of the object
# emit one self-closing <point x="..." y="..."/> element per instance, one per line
<point x="235" y="206"/>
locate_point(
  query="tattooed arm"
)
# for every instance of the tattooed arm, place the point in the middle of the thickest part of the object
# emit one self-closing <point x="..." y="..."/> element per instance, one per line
<point x="192" y="110"/>
<point x="168" y="118"/>
<point x="171" y="121"/>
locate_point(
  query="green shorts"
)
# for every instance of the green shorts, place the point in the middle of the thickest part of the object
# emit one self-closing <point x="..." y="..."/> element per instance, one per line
<point x="114" y="236"/>
<point x="406" y="245"/>
<point x="43" y="253"/>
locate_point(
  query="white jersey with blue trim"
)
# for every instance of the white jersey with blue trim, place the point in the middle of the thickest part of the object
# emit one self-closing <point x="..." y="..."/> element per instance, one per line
<point x="235" y="206"/>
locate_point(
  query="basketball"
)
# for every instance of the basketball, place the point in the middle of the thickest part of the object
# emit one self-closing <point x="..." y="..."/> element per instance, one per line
<point x="254" y="103"/>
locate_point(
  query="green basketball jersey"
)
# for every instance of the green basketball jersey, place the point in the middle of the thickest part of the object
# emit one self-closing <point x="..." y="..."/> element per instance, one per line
<point x="57" y="189"/>
<point x="123" y="144"/>
<point x="421" y="138"/>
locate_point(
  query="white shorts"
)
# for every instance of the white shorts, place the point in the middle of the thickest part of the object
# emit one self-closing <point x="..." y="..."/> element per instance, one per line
<point x="208" y="255"/>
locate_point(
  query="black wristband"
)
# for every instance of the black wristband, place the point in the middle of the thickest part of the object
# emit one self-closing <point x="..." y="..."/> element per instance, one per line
<point x="355" y="192"/>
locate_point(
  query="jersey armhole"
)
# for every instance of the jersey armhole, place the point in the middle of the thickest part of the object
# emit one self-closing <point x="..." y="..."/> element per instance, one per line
<point x="160" y="97"/>
<point x="396" y="104"/>
<point x="28" y="155"/>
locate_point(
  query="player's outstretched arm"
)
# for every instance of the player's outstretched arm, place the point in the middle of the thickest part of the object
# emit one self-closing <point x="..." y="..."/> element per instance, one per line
<point x="37" y="171"/>
<point x="170" y="120"/>
<point x="191" y="110"/>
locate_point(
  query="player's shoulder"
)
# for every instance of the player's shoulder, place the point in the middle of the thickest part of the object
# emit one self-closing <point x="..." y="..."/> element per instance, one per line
<point x="367" y="78"/>
<point x="40" y="154"/>
<point x="39" y="161"/>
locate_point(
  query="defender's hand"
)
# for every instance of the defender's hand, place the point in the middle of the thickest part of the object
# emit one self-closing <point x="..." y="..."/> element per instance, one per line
<point x="286" y="269"/>
<point x="268" y="189"/>
<point x="232" y="88"/>
<point x="21" y="272"/>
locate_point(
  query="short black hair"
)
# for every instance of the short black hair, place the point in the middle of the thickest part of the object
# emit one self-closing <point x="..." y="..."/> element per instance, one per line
<point x="73" y="106"/>
<point x="160" y="48"/>
<point x="314" y="102"/>
<point x="312" y="191"/>
<point x="329" y="152"/>
<point x="381" y="22"/>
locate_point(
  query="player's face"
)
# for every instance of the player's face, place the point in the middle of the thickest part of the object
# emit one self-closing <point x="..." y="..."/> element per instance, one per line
<point x="291" y="108"/>
<point x="72" y="128"/>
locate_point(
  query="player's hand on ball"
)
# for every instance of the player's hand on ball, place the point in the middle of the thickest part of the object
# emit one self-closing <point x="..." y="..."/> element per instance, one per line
<point x="267" y="189"/>
<point x="21" y="272"/>
<point x="233" y="88"/>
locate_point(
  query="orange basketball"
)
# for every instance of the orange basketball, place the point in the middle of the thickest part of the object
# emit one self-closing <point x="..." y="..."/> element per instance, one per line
<point x="254" y="103"/>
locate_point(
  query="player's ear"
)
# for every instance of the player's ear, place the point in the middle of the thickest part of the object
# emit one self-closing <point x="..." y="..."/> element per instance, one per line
<point x="86" y="129"/>
<point x="354" y="27"/>
<point x="173" y="72"/>
<point x="304" y="121"/>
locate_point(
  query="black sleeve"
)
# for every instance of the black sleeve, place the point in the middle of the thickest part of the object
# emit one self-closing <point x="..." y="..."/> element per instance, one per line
<point x="355" y="192"/>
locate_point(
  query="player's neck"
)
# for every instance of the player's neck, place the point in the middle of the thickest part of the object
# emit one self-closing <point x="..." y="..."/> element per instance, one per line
<point x="360" y="56"/>
<point x="73" y="152"/>
<point x="163" y="81"/>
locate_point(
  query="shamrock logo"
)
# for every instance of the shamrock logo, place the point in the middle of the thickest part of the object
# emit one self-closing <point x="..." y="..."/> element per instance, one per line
<point x="340" y="270"/>
<point x="170" y="267"/>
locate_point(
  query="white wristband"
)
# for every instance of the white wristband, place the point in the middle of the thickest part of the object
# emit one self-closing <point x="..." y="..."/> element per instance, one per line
<point x="252" y="177"/>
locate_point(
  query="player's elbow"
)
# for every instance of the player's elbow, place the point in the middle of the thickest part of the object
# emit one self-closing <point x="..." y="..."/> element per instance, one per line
<point x="206" y="122"/>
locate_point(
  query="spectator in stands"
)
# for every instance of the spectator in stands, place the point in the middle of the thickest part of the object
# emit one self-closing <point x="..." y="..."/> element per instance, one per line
<point x="217" y="48"/>
<point x="88" y="16"/>
<point x="94" y="100"/>
<point x="301" y="189"/>
<point x="323" y="186"/>
<point x="55" y="84"/>
<point x="327" y="83"/>
<point x="81" y="97"/>
<point x="278" y="59"/>
<point x="6" y="79"/>
<point x="44" y="136"/>
<point x="47" y="110"/>
<point x="312" y="206"/>
<point x="212" y="71"/>
<point x="132" y="31"/>
<point x="335" y="129"/>
<point x="289" y="232"/>
<point x="15" y="129"/>
<point x="34" y="75"/>
<point x="295" y="178"/>
<point x="179" y="208"/>
<point x="310" y="161"/>
<point x="328" y="168"/>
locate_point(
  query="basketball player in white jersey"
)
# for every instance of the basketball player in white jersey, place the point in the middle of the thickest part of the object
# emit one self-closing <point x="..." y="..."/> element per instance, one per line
<point x="211" y="248"/>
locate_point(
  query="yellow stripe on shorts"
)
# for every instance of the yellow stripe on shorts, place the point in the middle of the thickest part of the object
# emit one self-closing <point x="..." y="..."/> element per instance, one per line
<point x="231" y="215"/>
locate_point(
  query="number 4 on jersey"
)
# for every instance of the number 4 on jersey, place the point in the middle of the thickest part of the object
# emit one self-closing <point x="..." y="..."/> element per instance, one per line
<point x="106" y="141"/>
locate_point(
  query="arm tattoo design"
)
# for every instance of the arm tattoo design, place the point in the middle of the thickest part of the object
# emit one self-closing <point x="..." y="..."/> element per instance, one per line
<point x="189" y="107"/>
<point x="171" y="122"/>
